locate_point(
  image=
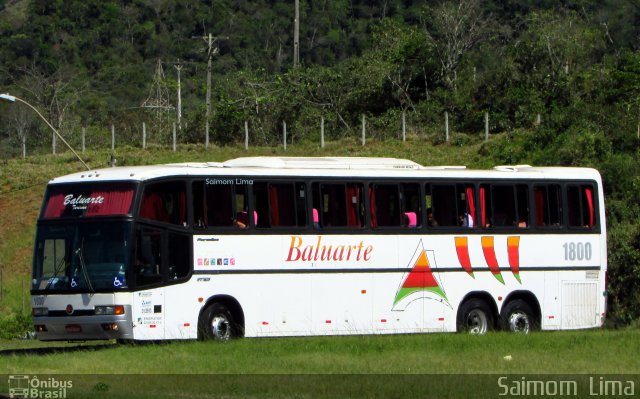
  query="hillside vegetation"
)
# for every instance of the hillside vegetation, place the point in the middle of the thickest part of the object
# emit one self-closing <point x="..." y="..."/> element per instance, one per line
<point x="559" y="82"/>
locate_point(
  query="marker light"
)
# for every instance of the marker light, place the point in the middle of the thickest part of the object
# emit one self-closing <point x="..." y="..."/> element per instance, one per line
<point x="40" y="311"/>
<point x="110" y="327"/>
<point x="109" y="310"/>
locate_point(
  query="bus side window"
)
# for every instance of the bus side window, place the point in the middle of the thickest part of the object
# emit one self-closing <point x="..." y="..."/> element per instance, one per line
<point x="165" y="202"/>
<point x="411" y="205"/>
<point x="548" y="205"/>
<point x="580" y="206"/>
<point x="178" y="256"/>
<point x="148" y="257"/>
<point x="261" y="204"/>
<point x="443" y="204"/>
<point x="486" y="211"/>
<point x="431" y="220"/>
<point x="339" y="204"/>
<point x="503" y="205"/>
<point x="384" y="201"/>
<point x="522" y="205"/>
<point x="219" y="205"/>
<point x="467" y="205"/>
<point x="283" y="205"/>
<point x="199" y="205"/>
<point x="279" y="204"/>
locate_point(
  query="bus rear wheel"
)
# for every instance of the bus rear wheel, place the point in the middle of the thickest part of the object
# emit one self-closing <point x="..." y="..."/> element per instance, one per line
<point x="216" y="323"/>
<point x="517" y="316"/>
<point x="475" y="317"/>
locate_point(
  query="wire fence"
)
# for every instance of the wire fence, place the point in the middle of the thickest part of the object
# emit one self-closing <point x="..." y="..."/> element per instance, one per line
<point x="251" y="134"/>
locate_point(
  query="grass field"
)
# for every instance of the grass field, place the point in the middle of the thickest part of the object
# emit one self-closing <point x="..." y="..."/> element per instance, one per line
<point x="566" y="352"/>
<point x="402" y="361"/>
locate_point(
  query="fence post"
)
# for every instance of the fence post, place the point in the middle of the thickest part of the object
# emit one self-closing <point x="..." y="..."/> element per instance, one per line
<point x="446" y="126"/>
<point x="24" y="146"/>
<point x="22" y="294"/>
<point x="53" y="144"/>
<point x="246" y="135"/>
<point x="113" y="137"/>
<point x="486" y="126"/>
<point x="174" y="137"/>
<point x="404" y="126"/>
<point x="284" y="134"/>
<point x="538" y="119"/>
<point x="144" y="135"/>
<point x="364" y="131"/>
<point x="84" y="132"/>
<point x="322" y="132"/>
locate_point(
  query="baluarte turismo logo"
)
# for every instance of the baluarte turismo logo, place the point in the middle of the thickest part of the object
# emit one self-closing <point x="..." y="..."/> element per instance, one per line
<point x="25" y="386"/>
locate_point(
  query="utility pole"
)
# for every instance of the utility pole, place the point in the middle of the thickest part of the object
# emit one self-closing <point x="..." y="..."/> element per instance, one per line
<point x="179" y="67"/>
<point x="211" y="51"/>
<point x="296" y="35"/>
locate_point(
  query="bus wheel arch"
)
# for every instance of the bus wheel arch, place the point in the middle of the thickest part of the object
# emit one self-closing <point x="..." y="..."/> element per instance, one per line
<point x="221" y="318"/>
<point x="521" y="313"/>
<point x="477" y="313"/>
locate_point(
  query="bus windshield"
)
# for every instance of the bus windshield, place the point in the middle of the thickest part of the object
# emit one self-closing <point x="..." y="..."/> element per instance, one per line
<point x="81" y="257"/>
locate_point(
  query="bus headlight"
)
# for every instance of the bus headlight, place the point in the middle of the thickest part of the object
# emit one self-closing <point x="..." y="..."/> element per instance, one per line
<point x="109" y="310"/>
<point x="40" y="311"/>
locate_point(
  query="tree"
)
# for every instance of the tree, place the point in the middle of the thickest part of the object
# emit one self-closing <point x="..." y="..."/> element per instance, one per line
<point x="455" y="28"/>
<point x="55" y="93"/>
<point x="20" y="121"/>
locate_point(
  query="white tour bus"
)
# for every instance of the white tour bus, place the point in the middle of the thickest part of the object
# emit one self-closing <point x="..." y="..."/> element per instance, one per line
<point x="277" y="246"/>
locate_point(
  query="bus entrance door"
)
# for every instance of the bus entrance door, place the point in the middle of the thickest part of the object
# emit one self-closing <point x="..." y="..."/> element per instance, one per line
<point x="148" y="314"/>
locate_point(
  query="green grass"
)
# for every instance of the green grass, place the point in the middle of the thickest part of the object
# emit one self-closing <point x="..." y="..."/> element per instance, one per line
<point x="591" y="351"/>
<point x="399" y="360"/>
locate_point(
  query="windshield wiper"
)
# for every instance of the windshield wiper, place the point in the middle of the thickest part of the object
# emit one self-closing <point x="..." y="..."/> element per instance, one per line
<point x="57" y="268"/>
<point x="83" y="266"/>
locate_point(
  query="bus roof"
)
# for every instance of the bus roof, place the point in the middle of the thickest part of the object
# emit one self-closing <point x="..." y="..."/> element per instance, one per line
<point x="359" y="167"/>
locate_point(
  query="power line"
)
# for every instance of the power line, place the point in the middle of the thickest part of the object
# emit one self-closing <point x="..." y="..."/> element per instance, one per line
<point x="5" y="193"/>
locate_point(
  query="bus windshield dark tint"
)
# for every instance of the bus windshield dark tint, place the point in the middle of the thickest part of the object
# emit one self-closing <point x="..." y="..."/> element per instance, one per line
<point x="81" y="257"/>
<point x="88" y="200"/>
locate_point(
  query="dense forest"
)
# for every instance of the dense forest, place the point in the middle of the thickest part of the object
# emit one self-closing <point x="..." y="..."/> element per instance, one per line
<point x="559" y="79"/>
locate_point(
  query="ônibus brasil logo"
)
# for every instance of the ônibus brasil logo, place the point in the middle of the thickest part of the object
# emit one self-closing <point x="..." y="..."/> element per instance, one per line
<point x="24" y="386"/>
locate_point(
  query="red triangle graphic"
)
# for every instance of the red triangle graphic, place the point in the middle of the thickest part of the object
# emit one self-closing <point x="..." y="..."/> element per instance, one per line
<point x="421" y="275"/>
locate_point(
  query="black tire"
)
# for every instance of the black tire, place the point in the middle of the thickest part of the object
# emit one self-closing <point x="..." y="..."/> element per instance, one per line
<point x="475" y="317"/>
<point x="217" y="323"/>
<point x="518" y="317"/>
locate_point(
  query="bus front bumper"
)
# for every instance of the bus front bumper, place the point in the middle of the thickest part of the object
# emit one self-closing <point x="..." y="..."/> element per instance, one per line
<point x="81" y="328"/>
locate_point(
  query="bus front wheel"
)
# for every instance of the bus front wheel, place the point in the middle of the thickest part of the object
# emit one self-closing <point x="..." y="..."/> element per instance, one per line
<point x="216" y="322"/>
<point x="475" y="317"/>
